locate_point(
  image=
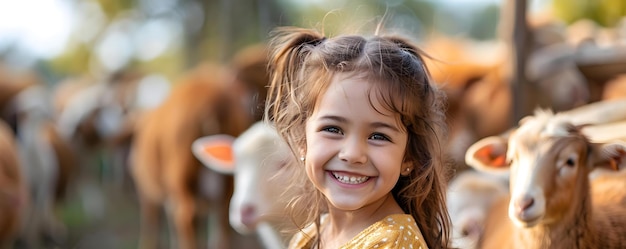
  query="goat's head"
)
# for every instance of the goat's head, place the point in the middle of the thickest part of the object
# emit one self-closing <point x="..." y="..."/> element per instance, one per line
<point x="548" y="159"/>
<point x="257" y="158"/>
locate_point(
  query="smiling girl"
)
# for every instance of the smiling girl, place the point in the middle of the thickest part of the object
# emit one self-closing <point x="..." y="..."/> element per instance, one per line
<point x="367" y="124"/>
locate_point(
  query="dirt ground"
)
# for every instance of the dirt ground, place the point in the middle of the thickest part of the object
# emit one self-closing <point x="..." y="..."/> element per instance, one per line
<point x="113" y="220"/>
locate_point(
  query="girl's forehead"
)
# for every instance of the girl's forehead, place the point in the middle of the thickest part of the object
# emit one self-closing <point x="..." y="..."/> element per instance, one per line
<point x="360" y="80"/>
<point x="376" y="89"/>
<point x="355" y="84"/>
<point x="344" y="88"/>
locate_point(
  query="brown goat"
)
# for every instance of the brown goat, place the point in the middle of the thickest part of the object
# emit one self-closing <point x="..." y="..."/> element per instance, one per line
<point x="552" y="202"/>
<point x="606" y="126"/>
<point x="206" y="101"/>
<point x="13" y="190"/>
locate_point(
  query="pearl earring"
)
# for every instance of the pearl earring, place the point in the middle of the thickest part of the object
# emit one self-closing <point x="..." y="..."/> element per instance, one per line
<point x="302" y="158"/>
<point x="407" y="169"/>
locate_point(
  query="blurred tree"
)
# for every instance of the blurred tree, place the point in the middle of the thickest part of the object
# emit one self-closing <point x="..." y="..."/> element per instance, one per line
<point x="411" y="17"/>
<point x="484" y="23"/>
<point x="184" y="32"/>
<point x="72" y="61"/>
<point x="231" y="25"/>
<point x="114" y="35"/>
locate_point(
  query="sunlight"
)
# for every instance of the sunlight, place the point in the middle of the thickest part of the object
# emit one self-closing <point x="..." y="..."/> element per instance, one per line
<point x="40" y="27"/>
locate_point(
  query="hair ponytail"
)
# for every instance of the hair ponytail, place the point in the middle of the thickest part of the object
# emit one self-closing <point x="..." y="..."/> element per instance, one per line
<point x="290" y="48"/>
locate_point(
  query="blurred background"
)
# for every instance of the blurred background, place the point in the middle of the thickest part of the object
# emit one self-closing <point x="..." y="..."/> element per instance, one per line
<point x="134" y="53"/>
<point x="61" y="38"/>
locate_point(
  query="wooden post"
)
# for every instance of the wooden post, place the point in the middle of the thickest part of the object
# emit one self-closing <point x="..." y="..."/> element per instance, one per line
<point x="514" y="31"/>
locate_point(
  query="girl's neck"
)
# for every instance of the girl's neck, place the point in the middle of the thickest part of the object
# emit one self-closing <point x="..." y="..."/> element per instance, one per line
<point x="341" y="225"/>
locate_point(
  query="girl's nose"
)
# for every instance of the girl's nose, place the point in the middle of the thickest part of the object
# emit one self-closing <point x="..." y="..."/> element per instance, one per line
<point x="353" y="151"/>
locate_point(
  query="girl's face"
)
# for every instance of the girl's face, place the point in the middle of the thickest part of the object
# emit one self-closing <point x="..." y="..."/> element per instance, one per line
<point x="354" y="152"/>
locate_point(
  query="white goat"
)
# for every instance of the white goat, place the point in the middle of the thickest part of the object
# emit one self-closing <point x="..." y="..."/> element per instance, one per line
<point x="606" y="132"/>
<point x="259" y="163"/>
<point x="470" y="195"/>
<point x="552" y="202"/>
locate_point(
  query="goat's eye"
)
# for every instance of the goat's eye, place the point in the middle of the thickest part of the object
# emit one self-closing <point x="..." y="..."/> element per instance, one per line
<point x="570" y="162"/>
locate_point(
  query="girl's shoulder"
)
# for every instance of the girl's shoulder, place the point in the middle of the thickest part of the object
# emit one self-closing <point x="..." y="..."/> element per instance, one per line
<point x="304" y="238"/>
<point x="394" y="231"/>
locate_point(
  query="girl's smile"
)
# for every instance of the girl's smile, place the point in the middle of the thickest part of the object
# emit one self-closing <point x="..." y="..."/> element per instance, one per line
<point x="349" y="179"/>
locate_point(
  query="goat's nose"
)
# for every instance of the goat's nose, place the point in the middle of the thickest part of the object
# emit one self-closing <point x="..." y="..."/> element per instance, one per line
<point x="248" y="215"/>
<point x="472" y="228"/>
<point x="524" y="203"/>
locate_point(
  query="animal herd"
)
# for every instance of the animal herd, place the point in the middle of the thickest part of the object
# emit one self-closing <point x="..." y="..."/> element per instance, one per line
<point x="555" y="179"/>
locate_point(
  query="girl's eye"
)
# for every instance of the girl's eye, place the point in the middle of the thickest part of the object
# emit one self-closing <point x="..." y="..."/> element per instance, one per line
<point x="332" y="129"/>
<point x="378" y="136"/>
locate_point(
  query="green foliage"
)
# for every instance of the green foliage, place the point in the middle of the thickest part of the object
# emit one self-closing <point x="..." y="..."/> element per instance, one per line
<point x="74" y="61"/>
<point x="483" y="26"/>
<point x="113" y="7"/>
<point x="169" y="64"/>
<point x="603" y="12"/>
<point x="356" y="16"/>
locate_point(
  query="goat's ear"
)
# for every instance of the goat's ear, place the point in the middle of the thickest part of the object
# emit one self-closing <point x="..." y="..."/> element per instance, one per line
<point x="611" y="155"/>
<point x="488" y="155"/>
<point x="215" y="152"/>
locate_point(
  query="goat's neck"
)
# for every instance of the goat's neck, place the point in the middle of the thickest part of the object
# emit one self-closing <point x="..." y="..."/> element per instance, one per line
<point x="573" y="231"/>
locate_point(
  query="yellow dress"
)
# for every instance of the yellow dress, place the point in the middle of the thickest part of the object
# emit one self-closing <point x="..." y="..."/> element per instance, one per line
<point x="394" y="231"/>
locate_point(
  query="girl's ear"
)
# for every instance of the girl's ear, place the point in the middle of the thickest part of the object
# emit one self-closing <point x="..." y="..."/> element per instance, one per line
<point x="489" y="155"/>
<point x="406" y="168"/>
<point x="215" y="152"/>
<point x="302" y="154"/>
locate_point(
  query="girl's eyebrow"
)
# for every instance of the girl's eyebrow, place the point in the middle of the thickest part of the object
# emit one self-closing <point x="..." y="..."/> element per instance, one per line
<point x="384" y="125"/>
<point x="373" y="125"/>
<point x="334" y="118"/>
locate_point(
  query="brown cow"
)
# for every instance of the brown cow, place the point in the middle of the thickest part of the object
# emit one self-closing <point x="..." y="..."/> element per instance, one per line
<point x="13" y="190"/>
<point x="208" y="100"/>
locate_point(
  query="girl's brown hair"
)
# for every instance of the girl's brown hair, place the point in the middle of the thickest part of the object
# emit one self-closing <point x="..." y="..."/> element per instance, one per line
<point x="302" y="64"/>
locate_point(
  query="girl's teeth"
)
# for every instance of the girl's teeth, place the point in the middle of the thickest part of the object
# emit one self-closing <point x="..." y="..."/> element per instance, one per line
<point x="350" y="179"/>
